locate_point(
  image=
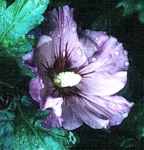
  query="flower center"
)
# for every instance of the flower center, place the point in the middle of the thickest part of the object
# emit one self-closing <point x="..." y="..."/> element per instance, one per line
<point x="67" y="79"/>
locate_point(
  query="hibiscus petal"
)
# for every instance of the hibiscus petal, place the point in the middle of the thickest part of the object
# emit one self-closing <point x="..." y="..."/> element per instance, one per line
<point x="44" y="56"/>
<point x="43" y="40"/>
<point x="108" y="53"/>
<point x="27" y="58"/>
<point x="100" y="112"/>
<point x="120" y="108"/>
<point x="106" y="72"/>
<point x="103" y="83"/>
<point x="55" y="104"/>
<point x="35" y="87"/>
<point x="53" y="121"/>
<point x="65" y="38"/>
<point x="70" y="120"/>
<point x="93" y="41"/>
<point x="89" y="117"/>
<point x="28" y="61"/>
<point x="114" y="57"/>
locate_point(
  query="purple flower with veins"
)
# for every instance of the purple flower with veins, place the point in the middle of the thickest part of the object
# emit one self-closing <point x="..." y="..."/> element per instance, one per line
<point x="77" y="77"/>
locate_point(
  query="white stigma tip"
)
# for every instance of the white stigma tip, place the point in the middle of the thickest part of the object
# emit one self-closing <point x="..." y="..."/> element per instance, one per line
<point x="67" y="79"/>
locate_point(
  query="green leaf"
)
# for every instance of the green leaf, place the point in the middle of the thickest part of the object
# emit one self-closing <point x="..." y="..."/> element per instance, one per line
<point x="16" y="21"/>
<point x="21" y="46"/>
<point x="128" y="5"/>
<point x="2" y="6"/>
<point x="37" y="140"/>
<point x="6" y="129"/>
<point x="20" y="17"/>
<point x="133" y="6"/>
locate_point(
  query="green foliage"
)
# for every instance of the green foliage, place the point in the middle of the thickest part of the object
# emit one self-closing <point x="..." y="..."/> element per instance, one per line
<point x="17" y="20"/>
<point x="29" y="133"/>
<point x="6" y="129"/>
<point x="34" y="139"/>
<point x="132" y="6"/>
<point x="17" y="48"/>
<point x="24" y="130"/>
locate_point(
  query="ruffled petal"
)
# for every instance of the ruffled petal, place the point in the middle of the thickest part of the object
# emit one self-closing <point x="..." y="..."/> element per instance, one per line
<point x="89" y="116"/>
<point x="103" y="83"/>
<point x="70" y="119"/>
<point x="107" y="53"/>
<point x="64" y="35"/>
<point x="100" y="112"/>
<point x="44" y="56"/>
<point x="35" y="88"/>
<point x="119" y="107"/>
<point x="106" y="73"/>
<point x="93" y="41"/>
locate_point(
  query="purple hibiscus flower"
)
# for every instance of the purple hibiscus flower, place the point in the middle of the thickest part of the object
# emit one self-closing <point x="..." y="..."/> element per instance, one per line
<point x="77" y="77"/>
